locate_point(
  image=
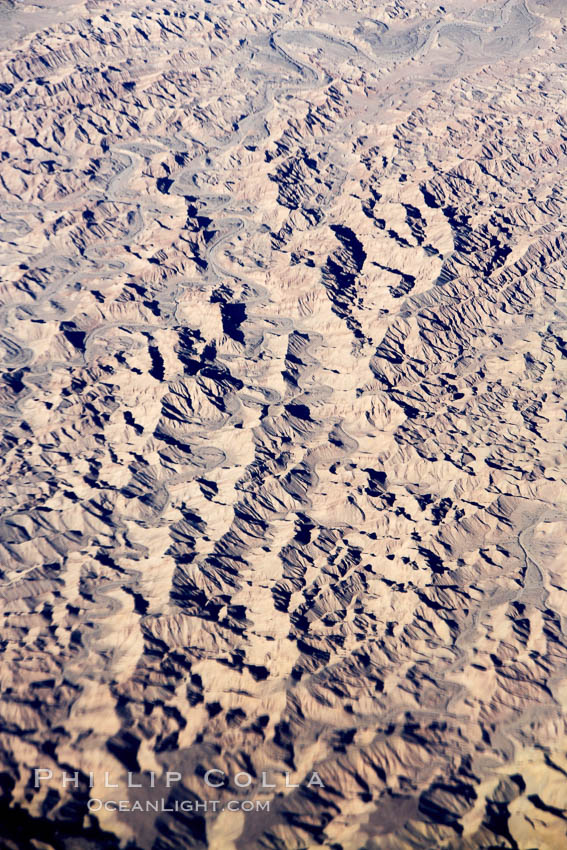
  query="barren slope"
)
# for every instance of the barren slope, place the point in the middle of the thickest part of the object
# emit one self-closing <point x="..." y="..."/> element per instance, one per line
<point x="283" y="339"/>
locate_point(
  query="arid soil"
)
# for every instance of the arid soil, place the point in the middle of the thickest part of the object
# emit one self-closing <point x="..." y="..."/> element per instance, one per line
<point x="283" y="341"/>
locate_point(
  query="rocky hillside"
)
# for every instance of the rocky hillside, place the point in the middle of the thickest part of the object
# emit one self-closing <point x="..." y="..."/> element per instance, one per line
<point x="283" y="340"/>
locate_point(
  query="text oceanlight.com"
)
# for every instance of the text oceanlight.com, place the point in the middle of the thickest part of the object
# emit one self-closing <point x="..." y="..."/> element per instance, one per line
<point x="163" y="805"/>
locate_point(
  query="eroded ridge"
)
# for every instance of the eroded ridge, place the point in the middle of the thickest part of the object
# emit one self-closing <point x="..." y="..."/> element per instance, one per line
<point x="283" y="341"/>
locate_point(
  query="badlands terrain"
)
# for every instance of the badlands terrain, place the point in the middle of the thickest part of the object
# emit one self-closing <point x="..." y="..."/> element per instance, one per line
<point x="283" y="334"/>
